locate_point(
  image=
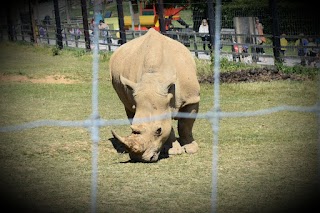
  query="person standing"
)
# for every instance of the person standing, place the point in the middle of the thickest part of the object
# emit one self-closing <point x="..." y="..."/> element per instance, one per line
<point x="283" y="44"/>
<point x="301" y="44"/>
<point x="204" y="33"/>
<point x="75" y="33"/>
<point x="42" y="32"/>
<point x="312" y="52"/>
<point x="103" y="27"/>
<point x="260" y="38"/>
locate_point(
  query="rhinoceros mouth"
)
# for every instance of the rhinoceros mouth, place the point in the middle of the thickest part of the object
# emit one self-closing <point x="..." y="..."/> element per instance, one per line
<point x="137" y="150"/>
<point x="144" y="158"/>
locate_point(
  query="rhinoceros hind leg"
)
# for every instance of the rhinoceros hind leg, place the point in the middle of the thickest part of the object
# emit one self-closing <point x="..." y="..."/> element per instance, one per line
<point x="172" y="146"/>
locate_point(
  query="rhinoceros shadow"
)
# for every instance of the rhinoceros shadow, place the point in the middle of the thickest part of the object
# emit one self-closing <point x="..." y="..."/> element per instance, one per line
<point x="118" y="146"/>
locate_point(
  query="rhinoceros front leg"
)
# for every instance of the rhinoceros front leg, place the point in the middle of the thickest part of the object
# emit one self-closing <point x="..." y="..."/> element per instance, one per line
<point x="172" y="146"/>
<point x="185" y="126"/>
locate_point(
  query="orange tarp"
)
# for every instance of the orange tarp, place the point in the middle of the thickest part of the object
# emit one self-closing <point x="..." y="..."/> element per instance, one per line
<point x="174" y="12"/>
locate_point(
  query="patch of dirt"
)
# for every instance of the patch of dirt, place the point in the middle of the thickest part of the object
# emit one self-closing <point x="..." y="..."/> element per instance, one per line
<point x="51" y="79"/>
<point x="254" y="75"/>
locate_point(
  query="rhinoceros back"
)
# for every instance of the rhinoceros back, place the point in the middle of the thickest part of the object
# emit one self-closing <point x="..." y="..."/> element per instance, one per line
<point x="155" y="53"/>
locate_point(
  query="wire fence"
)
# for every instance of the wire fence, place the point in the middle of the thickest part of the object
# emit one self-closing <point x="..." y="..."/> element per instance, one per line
<point x="95" y="122"/>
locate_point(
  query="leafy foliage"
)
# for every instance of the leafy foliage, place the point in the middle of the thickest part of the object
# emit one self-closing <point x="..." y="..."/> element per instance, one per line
<point x="55" y="50"/>
<point x="298" y="69"/>
<point x="79" y="52"/>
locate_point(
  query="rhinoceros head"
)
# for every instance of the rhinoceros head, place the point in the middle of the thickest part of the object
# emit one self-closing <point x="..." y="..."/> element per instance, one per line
<point x="149" y="133"/>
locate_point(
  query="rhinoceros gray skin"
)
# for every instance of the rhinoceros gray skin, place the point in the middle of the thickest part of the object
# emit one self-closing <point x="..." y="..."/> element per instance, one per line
<point x="154" y="75"/>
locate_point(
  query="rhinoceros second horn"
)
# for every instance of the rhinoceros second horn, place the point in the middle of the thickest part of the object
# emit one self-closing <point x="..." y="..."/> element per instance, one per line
<point x="120" y="139"/>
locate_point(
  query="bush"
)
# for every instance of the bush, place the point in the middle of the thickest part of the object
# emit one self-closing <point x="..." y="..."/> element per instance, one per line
<point x="55" y="50"/>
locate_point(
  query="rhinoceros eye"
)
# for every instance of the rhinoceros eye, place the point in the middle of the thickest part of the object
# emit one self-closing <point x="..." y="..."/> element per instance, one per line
<point x="158" y="132"/>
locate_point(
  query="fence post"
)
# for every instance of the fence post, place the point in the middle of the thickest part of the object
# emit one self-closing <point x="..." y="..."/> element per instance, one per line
<point x="65" y="30"/>
<point x="275" y="30"/>
<point x="58" y="24"/>
<point x="211" y="19"/>
<point x="195" y="45"/>
<point x="85" y="24"/>
<point x="47" y="34"/>
<point x="161" y="18"/>
<point x="33" y="37"/>
<point x="22" y="32"/>
<point x="10" y="25"/>
<point x="123" y="38"/>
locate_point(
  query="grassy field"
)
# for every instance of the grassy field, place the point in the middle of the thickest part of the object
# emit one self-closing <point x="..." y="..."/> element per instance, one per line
<point x="266" y="163"/>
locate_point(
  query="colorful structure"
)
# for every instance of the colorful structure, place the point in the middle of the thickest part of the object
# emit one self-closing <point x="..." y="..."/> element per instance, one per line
<point x="148" y="18"/>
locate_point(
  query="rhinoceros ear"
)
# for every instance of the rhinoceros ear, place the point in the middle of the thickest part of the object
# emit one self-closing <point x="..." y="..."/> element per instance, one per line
<point x="127" y="82"/>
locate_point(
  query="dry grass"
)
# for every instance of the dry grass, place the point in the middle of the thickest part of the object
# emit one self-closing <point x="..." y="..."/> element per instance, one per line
<point x="266" y="163"/>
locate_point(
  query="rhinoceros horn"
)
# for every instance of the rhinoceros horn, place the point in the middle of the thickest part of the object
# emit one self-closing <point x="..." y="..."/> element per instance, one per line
<point x="121" y="139"/>
<point x="130" y="143"/>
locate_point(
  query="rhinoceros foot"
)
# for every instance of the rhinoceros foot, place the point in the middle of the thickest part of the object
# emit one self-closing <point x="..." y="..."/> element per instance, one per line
<point x="191" y="147"/>
<point x="171" y="148"/>
<point x="176" y="149"/>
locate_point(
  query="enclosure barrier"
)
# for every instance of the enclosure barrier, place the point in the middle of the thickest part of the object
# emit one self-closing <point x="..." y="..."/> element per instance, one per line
<point x="73" y="37"/>
<point x="95" y="122"/>
<point x="238" y="40"/>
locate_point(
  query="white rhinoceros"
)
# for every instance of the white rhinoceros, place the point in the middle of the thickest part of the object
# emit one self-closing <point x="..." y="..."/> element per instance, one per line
<point x="155" y="75"/>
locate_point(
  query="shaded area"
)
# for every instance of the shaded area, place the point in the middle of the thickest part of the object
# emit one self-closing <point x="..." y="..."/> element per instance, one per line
<point x="117" y="145"/>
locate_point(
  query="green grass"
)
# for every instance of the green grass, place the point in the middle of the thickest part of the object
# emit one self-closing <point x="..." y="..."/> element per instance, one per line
<point x="266" y="163"/>
<point x="38" y="62"/>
